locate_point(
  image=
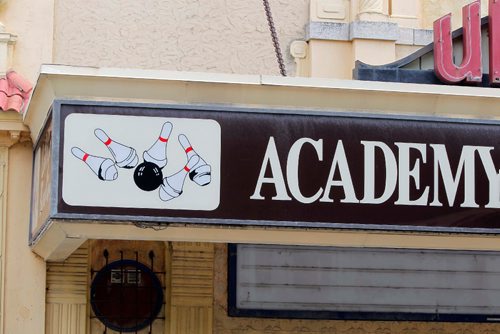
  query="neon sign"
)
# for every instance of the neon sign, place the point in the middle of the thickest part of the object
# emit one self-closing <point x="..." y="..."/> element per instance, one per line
<point x="470" y="69"/>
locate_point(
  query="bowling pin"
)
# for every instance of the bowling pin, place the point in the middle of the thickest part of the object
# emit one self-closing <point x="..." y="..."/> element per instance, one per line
<point x="157" y="153"/>
<point x="125" y="157"/>
<point x="173" y="184"/>
<point x="104" y="168"/>
<point x="201" y="174"/>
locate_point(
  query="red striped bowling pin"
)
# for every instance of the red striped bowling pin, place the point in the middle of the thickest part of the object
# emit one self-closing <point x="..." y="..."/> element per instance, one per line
<point x="125" y="157"/>
<point x="104" y="168"/>
<point x="157" y="153"/>
<point x="201" y="174"/>
<point x="173" y="184"/>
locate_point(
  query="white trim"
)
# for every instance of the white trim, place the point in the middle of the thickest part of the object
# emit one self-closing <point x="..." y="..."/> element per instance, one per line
<point x="204" y="77"/>
<point x="254" y="91"/>
<point x="62" y="238"/>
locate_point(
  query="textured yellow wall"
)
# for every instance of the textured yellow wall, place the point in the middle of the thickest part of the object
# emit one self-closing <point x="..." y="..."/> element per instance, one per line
<point x="215" y="36"/>
<point x="231" y="325"/>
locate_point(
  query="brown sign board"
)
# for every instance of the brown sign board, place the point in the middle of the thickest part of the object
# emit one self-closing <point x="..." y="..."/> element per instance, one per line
<point x="229" y="166"/>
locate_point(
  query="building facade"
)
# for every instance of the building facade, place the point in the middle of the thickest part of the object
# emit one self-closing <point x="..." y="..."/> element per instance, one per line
<point x="77" y="260"/>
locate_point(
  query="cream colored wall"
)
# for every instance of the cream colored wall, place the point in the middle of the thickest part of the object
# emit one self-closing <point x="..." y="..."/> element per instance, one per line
<point x="405" y="50"/>
<point x="330" y="59"/>
<point x="24" y="271"/>
<point x="421" y="13"/>
<point x="214" y="36"/>
<point x="374" y="52"/>
<point x="434" y="9"/>
<point x="406" y="13"/>
<point x="32" y="21"/>
<point x="325" y="59"/>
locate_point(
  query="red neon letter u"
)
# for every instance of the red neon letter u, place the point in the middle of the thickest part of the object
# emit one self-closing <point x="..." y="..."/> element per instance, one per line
<point x="471" y="68"/>
<point x="494" y="27"/>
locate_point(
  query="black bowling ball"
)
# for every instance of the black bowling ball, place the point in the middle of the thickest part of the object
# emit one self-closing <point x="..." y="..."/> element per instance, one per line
<point x="148" y="176"/>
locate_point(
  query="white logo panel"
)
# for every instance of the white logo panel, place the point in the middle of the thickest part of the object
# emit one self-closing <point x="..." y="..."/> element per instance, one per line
<point x="141" y="162"/>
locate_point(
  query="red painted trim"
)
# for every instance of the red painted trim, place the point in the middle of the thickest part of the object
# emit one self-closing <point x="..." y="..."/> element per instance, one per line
<point x="107" y="142"/>
<point x="85" y="156"/>
<point x="189" y="149"/>
<point x="187" y="169"/>
<point x="163" y="139"/>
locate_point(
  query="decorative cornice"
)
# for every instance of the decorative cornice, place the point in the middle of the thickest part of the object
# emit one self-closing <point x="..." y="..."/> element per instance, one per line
<point x="9" y="138"/>
<point x="388" y="31"/>
<point x="373" y="30"/>
<point x="12" y="129"/>
<point x="8" y="38"/>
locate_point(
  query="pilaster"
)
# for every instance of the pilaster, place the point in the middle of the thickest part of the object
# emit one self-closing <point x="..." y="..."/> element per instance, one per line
<point x="4" y="154"/>
<point x="66" y="300"/>
<point x="372" y="10"/>
<point x="12" y="131"/>
<point x="372" y="31"/>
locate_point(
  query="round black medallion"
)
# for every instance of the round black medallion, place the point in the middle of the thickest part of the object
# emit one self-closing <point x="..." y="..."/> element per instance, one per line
<point x="126" y="296"/>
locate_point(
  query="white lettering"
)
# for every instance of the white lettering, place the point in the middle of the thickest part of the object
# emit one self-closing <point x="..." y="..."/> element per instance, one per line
<point x="493" y="176"/>
<point x="465" y="165"/>
<point x="292" y="169"/>
<point x="406" y="174"/>
<point x="340" y="161"/>
<point x="271" y="158"/>
<point x="402" y="170"/>
<point x="391" y="172"/>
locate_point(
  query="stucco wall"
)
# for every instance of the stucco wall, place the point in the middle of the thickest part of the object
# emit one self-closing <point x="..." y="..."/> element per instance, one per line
<point x="216" y="36"/>
<point x="32" y="22"/>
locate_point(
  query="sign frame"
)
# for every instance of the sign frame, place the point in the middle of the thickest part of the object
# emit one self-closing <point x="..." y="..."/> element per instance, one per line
<point x="235" y="311"/>
<point x="55" y="188"/>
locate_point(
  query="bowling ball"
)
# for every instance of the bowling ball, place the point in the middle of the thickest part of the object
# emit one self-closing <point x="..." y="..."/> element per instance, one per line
<point x="148" y="176"/>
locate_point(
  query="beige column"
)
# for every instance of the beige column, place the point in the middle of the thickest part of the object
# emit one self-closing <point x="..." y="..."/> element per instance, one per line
<point x="373" y="38"/>
<point x="371" y="6"/>
<point x="190" y="288"/>
<point x="373" y="10"/>
<point x="23" y="298"/>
